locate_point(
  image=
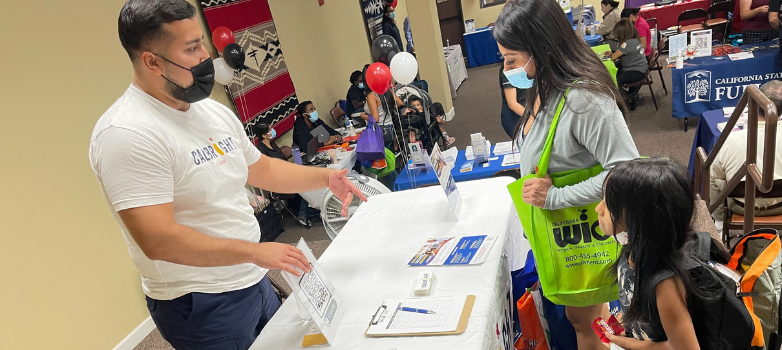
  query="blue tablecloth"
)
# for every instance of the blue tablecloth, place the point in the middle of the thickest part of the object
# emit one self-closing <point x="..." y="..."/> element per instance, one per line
<point x="481" y="48"/>
<point x="591" y="40"/>
<point x="478" y="172"/>
<point x="705" y="84"/>
<point x="706" y="134"/>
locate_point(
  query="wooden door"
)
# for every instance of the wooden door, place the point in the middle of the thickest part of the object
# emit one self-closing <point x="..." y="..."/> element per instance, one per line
<point x="451" y="22"/>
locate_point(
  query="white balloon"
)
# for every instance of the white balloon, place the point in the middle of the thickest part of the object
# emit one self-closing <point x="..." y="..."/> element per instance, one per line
<point x="223" y="74"/>
<point x="404" y="67"/>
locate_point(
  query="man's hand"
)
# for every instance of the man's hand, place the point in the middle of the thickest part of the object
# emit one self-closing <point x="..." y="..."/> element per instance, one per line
<point x="535" y="191"/>
<point x="762" y="9"/>
<point x="344" y="189"/>
<point x="280" y="256"/>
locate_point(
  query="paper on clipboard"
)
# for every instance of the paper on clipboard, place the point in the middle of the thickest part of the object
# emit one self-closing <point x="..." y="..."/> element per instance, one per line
<point x="390" y="320"/>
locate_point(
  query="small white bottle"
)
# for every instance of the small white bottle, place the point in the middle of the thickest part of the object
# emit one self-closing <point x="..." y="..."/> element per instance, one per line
<point x="680" y="60"/>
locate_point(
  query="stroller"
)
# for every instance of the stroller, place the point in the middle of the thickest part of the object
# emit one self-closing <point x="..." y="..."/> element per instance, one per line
<point x="424" y="124"/>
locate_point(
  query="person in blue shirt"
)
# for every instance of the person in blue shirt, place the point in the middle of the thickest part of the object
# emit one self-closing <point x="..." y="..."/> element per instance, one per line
<point x="390" y="28"/>
<point x="409" y="36"/>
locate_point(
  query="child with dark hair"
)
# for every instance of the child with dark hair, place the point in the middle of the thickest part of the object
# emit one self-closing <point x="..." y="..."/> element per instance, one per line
<point x="648" y="206"/>
<point x="418" y="104"/>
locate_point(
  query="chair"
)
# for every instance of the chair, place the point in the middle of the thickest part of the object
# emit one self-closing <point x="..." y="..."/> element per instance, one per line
<point x="691" y="15"/>
<point x="652" y="22"/>
<point x="655" y="63"/>
<point x="648" y="79"/>
<point x="338" y="114"/>
<point x="719" y="24"/>
<point x="733" y="221"/>
<point x="514" y="173"/>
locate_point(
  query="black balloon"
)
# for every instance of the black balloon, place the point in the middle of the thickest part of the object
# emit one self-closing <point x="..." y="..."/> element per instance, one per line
<point x="384" y="48"/>
<point x="233" y="55"/>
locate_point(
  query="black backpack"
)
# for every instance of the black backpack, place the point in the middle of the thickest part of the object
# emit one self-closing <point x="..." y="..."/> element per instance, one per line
<point x="723" y="323"/>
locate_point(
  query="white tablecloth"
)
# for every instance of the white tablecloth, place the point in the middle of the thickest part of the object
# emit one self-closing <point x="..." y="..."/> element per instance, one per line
<point x="345" y="160"/>
<point x="367" y="264"/>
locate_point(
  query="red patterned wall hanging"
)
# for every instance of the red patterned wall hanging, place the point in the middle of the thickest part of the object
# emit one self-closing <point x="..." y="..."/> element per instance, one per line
<point x="264" y="92"/>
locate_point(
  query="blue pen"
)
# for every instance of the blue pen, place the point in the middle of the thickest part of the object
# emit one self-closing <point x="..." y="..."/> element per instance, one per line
<point x="420" y="311"/>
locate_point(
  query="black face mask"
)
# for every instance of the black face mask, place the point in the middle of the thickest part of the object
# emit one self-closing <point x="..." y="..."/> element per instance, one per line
<point x="203" y="81"/>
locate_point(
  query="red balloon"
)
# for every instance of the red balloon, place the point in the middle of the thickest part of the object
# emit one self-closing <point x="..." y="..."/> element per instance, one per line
<point x="379" y="77"/>
<point x="222" y="36"/>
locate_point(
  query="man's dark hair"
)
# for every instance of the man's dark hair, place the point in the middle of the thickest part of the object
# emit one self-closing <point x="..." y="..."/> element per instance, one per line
<point x="141" y="22"/>
<point x="354" y="77"/>
<point x="302" y="107"/>
<point x="773" y="90"/>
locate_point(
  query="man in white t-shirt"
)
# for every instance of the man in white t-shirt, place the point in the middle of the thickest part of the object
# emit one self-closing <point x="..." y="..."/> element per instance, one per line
<point x="172" y="164"/>
<point x="732" y="156"/>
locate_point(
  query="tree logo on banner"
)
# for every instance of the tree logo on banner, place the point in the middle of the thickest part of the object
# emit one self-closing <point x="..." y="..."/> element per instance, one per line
<point x="698" y="85"/>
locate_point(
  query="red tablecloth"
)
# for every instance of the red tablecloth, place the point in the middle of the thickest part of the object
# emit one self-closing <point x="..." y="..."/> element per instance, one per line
<point x="667" y="16"/>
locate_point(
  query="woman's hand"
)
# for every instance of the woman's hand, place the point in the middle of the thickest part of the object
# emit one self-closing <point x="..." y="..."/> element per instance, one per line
<point x="762" y="9"/>
<point x="535" y="191"/>
<point x="635" y="344"/>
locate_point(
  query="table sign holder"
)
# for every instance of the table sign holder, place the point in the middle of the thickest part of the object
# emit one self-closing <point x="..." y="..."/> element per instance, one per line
<point x="316" y="292"/>
<point x="479" y="149"/>
<point x="443" y="172"/>
<point x="417" y="155"/>
<point x="701" y="39"/>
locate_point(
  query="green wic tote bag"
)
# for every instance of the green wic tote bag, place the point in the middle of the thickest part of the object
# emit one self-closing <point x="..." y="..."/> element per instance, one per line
<point x="573" y="256"/>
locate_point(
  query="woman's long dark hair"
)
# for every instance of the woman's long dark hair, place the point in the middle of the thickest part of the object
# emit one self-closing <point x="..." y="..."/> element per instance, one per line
<point x="655" y="200"/>
<point x="540" y="29"/>
<point x="624" y="30"/>
<point x="613" y="3"/>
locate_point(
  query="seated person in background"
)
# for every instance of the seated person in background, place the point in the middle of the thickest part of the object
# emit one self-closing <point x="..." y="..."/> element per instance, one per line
<point x="418" y="104"/>
<point x="267" y="146"/>
<point x="732" y="156"/>
<point x="611" y="16"/>
<point x="355" y="98"/>
<point x="644" y="32"/>
<point x="270" y="149"/>
<point x="630" y="60"/>
<point x="306" y="121"/>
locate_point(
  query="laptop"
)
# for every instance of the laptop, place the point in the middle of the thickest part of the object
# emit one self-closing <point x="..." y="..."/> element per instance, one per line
<point x="312" y="150"/>
<point x="320" y="133"/>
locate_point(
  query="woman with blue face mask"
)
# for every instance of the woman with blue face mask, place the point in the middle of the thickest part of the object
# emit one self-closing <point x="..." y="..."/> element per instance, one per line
<point x="355" y="98"/>
<point x="390" y="28"/>
<point x="544" y="55"/>
<point x="307" y="119"/>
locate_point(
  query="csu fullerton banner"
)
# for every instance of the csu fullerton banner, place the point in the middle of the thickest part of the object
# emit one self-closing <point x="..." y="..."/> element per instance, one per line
<point x="706" y="84"/>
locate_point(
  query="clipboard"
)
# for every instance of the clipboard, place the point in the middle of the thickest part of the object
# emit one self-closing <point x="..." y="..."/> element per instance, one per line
<point x="460" y="328"/>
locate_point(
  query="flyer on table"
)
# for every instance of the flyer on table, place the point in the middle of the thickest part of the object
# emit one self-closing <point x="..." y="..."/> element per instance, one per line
<point x="467" y="250"/>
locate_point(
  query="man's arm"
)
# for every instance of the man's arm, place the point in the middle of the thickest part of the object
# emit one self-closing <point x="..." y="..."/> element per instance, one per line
<point x="512" y="101"/>
<point x="773" y="18"/>
<point x="283" y="177"/>
<point x="301" y="137"/>
<point x="161" y="238"/>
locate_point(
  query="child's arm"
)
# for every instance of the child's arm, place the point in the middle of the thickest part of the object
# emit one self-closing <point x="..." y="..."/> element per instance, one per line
<point x="675" y="318"/>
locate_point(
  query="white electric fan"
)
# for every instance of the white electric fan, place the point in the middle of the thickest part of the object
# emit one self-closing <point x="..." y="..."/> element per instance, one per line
<point x="331" y="208"/>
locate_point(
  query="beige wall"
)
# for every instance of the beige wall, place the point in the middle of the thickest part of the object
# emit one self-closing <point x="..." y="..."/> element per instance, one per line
<point x="68" y="281"/>
<point x="425" y="26"/>
<point x="322" y="46"/>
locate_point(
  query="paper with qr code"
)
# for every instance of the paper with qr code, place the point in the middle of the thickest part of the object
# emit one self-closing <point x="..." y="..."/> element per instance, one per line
<point x="318" y="295"/>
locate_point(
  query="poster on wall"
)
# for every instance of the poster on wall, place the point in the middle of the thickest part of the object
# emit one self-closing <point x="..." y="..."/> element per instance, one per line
<point x="264" y="92"/>
<point x="373" y="17"/>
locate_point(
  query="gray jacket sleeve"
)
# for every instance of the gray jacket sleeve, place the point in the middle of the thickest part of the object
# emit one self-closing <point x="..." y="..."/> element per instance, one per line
<point x="604" y="133"/>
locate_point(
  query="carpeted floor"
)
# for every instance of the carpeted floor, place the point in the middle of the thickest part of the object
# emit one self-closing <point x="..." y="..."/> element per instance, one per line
<point x="477" y="109"/>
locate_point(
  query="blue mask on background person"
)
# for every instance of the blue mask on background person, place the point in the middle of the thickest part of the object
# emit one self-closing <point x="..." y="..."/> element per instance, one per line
<point x="314" y="116"/>
<point x="273" y="133"/>
<point x="392" y="15"/>
<point x="361" y="85"/>
<point x="518" y="77"/>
